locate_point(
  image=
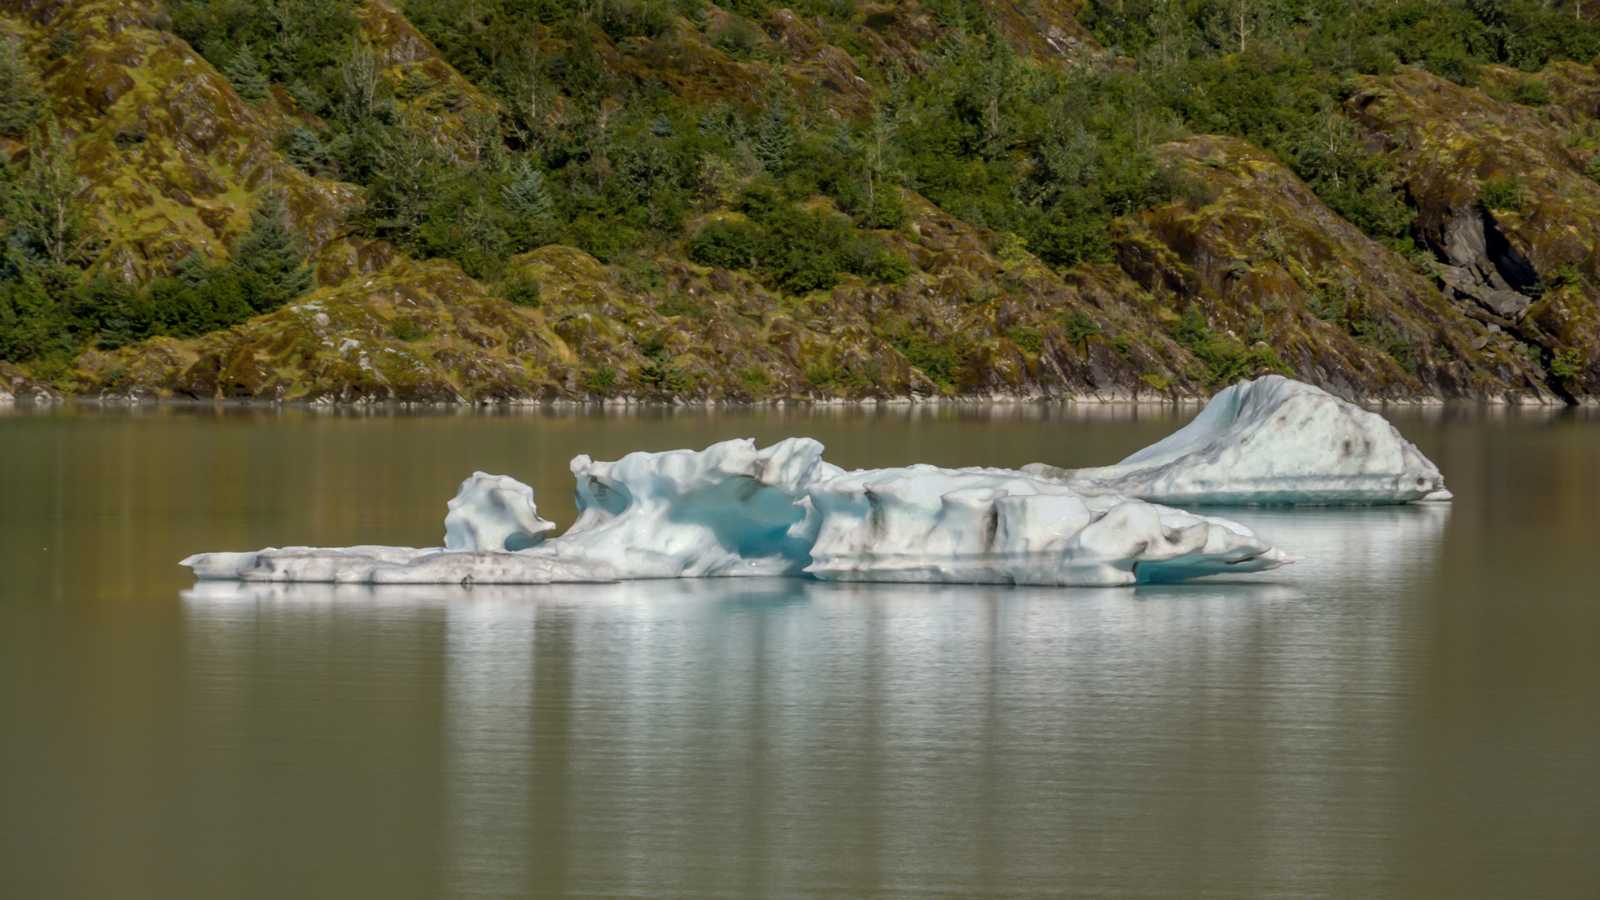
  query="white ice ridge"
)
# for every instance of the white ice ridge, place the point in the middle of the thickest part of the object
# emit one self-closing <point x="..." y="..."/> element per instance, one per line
<point x="493" y="512"/>
<point x="1269" y="441"/>
<point x="734" y="509"/>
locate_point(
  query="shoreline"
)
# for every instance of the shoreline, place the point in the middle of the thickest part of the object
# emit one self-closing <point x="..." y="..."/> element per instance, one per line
<point x="40" y="398"/>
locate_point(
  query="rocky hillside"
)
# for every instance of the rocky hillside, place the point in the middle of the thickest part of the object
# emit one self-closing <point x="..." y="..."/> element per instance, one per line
<point x="366" y="200"/>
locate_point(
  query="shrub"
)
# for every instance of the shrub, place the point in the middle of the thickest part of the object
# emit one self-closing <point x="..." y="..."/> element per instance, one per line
<point x="1225" y="358"/>
<point x="196" y="298"/>
<point x="660" y="374"/>
<point x="739" y="39"/>
<point x="1501" y="193"/>
<point x="629" y="18"/>
<point x="1567" y="365"/>
<point x="1592" y="168"/>
<point x="1566" y="276"/>
<point x="407" y="328"/>
<point x="522" y="290"/>
<point x="600" y="380"/>
<point x="1027" y="338"/>
<point x="727" y="244"/>
<point x="1531" y="92"/>
<point x="1079" y="328"/>
<point x="755" y="380"/>
<point x="938" y="359"/>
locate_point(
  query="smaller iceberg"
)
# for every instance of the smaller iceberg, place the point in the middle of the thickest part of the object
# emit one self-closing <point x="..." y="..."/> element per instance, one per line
<point x="1269" y="441"/>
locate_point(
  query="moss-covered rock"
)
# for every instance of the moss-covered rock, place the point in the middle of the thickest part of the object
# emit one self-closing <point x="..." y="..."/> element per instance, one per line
<point x="432" y="96"/>
<point x="1251" y="258"/>
<point x="173" y="158"/>
<point x="1505" y="204"/>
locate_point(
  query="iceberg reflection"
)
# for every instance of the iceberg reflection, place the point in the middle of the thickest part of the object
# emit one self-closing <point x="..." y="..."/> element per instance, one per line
<point x="711" y="736"/>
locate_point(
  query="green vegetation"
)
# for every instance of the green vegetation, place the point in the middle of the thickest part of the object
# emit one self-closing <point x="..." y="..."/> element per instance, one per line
<point x="1502" y="194"/>
<point x="1567" y="364"/>
<point x="1225" y="357"/>
<point x="941" y="360"/>
<point x="50" y="308"/>
<point x="794" y="250"/>
<point x="21" y="101"/>
<point x="1336" y="303"/>
<point x="646" y="132"/>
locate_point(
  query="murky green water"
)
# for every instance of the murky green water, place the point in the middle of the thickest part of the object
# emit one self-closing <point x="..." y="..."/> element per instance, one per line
<point x="1413" y="710"/>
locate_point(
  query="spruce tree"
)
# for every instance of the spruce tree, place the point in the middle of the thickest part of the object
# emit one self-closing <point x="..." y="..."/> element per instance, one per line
<point x="774" y="138"/>
<point x="527" y="195"/>
<point x="21" y="101"/>
<point x="532" y="210"/>
<point x="48" y="223"/>
<point x="271" y="257"/>
<point x="244" y="72"/>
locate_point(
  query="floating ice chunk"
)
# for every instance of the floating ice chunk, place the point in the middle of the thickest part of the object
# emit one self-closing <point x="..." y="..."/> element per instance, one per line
<point x="493" y="512"/>
<point x="734" y="509"/>
<point x="731" y="509"/>
<point x="926" y="524"/>
<point x="1270" y="441"/>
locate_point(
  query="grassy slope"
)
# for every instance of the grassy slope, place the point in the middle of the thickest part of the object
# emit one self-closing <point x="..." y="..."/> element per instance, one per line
<point x="174" y="159"/>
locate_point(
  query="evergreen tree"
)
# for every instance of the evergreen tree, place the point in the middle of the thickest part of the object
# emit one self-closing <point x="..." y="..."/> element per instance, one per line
<point x="532" y="210"/>
<point x="527" y="195"/>
<point x="21" y="101"/>
<point x="47" y="221"/>
<point x="467" y="226"/>
<point x="244" y="72"/>
<point x="33" y="320"/>
<point x="407" y="175"/>
<point x="270" y="257"/>
<point x="774" y="138"/>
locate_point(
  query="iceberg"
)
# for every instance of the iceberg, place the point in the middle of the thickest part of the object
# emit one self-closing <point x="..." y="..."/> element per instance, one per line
<point x="1269" y="441"/>
<point x="737" y="510"/>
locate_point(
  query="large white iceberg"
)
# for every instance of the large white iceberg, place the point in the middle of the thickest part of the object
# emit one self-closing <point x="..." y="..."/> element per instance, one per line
<point x="1269" y="441"/>
<point x="735" y="509"/>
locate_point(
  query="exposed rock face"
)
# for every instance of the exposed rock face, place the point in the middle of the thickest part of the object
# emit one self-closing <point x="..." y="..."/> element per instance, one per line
<point x="17" y="387"/>
<point x="1503" y="201"/>
<point x="435" y="98"/>
<point x="1270" y="263"/>
<point x="1048" y="30"/>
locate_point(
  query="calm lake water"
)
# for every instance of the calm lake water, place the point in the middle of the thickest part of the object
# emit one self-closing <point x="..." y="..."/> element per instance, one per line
<point x="1413" y="710"/>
